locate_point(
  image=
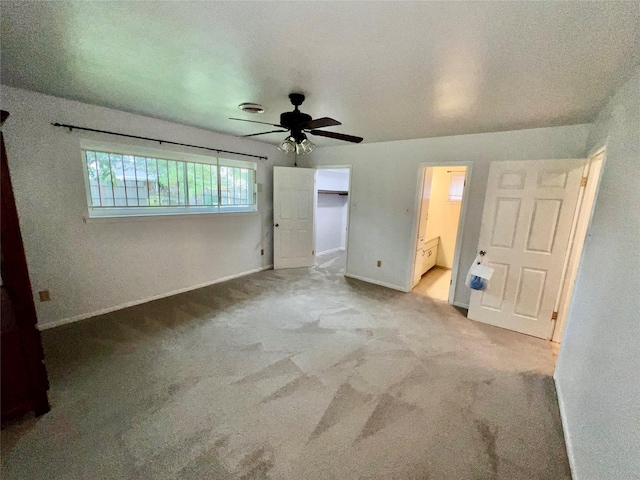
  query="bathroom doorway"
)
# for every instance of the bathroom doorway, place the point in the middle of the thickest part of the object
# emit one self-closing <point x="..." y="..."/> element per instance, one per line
<point x="440" y="209"/>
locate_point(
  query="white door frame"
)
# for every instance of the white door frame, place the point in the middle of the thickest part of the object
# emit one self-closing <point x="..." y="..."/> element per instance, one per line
<point x="416" y="221"/>
<point x="315" y="207"/>
<point x="564" y="300"/>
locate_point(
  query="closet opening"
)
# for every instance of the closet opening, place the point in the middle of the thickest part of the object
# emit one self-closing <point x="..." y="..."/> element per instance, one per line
<point x="332" y="216"/>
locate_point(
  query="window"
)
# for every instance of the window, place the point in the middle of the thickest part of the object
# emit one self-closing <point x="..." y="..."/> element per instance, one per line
<point x="456" y="186"/>
<point x="130" y="181"/>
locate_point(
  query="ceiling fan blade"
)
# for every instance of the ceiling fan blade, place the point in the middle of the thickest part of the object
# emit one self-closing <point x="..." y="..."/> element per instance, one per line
<point x="261" y="133"/>
<point x="321" y="122"/>
<point x="337" y="136"/>
<point x="255" y="121"/>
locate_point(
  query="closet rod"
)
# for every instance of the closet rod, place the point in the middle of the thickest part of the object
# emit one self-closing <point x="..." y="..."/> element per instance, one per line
<point x="71" y="127"/>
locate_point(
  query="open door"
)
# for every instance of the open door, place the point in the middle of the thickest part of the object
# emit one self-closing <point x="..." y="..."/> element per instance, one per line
<point x="527" y="218"/>
<point x="23" y="373"/>
<point x="418" y="270"/>
<point x="293" y="197"/>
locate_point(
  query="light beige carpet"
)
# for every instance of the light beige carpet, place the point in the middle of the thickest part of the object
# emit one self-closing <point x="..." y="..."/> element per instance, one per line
<point x="297" y="374"/>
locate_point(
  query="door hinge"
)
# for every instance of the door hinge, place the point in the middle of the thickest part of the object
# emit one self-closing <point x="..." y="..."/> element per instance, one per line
<point x="554" y="316"/>
<point x="583" y="181"/>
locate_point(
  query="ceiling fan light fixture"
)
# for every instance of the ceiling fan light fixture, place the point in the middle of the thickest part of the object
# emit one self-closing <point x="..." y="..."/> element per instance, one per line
<point x="288" y="146"/>
<point x="307" y="146"/>
<point x="251" y="107"/>
<point x="296" y="123"/>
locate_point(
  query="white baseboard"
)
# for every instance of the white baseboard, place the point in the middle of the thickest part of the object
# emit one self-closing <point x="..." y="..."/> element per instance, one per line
<point x="330" y="251"/>
<point x="565" y="429"/>
<point x="84" y="316"/>
<point x="377" y="282"/>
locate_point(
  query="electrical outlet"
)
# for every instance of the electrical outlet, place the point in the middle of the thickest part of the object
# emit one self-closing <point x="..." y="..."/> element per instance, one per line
<point x="379" y="263"/>
<point x="44" y="296"/>
<point x="262" y="251"/>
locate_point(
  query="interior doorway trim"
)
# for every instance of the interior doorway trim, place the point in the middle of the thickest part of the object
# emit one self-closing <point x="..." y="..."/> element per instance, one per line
<point x="315" y="207"/>
<point x="593" y="170"/>
<point x="459" y="235"/>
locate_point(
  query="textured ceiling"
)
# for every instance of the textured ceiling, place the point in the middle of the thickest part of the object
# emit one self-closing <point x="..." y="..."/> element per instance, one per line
<point x="386" y="70"/>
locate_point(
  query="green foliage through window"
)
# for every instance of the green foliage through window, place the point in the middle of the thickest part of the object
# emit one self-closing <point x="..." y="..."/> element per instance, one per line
<point x="120" y="180"/>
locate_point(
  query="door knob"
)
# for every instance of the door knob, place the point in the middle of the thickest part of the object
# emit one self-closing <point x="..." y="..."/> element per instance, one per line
<point x="277" y="224"/>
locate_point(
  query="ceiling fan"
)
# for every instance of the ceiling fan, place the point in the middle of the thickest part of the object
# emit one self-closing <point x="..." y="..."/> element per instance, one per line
<point x="299" y="124"/>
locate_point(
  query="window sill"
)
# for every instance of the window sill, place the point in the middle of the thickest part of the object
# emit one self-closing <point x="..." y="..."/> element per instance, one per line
<point x="163" y="216"/>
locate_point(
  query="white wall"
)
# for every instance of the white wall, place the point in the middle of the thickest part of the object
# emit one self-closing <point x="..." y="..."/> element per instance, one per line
<point x="90" y="267"/>
<point x="330" y="223"/>
<point x="598" y="370"/>
<point x="333" y="179"/>
<point x="443" y="216"/>
<point x="331" y="211"/>
<point x="384" y="191"/>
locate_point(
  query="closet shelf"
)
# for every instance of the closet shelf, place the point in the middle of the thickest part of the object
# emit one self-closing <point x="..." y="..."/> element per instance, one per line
<point x="333" y="192"/>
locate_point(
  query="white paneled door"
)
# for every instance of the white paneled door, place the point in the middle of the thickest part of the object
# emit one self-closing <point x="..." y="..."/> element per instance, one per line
<point x="527" y="218"/>
<point x="293" y="203"/>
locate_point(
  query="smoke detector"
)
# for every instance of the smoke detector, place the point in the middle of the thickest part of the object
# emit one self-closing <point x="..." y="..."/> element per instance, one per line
<point x="251" y="107"/>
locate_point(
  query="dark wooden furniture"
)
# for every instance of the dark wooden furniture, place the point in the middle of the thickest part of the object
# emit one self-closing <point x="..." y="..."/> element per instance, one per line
<point x="24" y="377"/>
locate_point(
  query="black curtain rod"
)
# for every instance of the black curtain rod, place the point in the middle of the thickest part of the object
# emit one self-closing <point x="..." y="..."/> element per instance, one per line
<point x="71" y="127"/>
